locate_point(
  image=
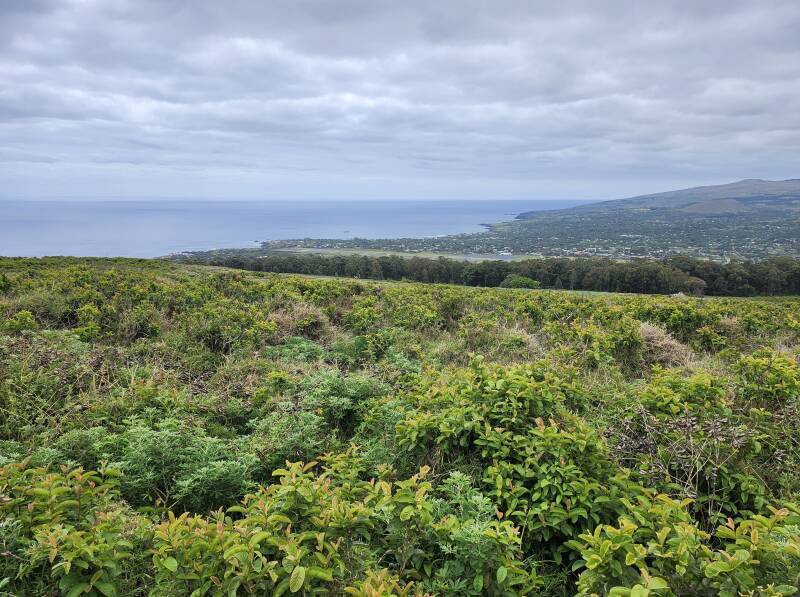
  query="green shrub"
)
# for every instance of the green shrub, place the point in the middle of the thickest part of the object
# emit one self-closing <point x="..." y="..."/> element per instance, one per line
<point x="5" y="284"/>
<point x="69" y="531"/>
<point x="517" y="281"/>
<point x="175" y="466"/>
<point x="768" y="379"/>
<point x="288" y="433"/>
<point x="89" y="323"/>
<point x="543" y="467"/>
<point x="340" y="399"/>
<point x="307" y="533"/>
<point x="21" y="321"/>
<point x="657" y="548"/>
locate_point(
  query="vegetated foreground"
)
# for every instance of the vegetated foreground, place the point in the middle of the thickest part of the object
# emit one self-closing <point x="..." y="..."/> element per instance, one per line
<point x="175" y="430"/>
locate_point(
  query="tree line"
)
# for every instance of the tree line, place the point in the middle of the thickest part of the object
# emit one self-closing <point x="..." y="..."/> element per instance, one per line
<point x="774" y="276"/>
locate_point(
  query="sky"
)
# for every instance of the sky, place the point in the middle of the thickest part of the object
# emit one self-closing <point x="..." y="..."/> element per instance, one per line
<point x="389" y="100"/>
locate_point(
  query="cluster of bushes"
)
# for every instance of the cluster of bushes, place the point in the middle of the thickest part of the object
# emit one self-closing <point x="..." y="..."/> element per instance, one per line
<point x="171" y="430"/>
<point x="680" y="274"/>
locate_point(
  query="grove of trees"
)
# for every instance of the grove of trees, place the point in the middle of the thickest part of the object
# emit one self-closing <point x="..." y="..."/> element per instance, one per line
<point x="775" y="276"/>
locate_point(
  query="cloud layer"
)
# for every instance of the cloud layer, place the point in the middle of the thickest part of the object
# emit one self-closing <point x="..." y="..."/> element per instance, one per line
<point x="386" y="99"/>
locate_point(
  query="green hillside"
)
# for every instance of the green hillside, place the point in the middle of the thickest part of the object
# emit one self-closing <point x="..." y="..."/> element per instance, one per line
<point x="170" y="429"/>
<point x="748" y="195"/>
<point x="749" y="219"/>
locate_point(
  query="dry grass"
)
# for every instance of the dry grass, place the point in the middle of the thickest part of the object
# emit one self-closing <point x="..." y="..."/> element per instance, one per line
<point x="660" y="348"/>
<point x="301" y="320"/>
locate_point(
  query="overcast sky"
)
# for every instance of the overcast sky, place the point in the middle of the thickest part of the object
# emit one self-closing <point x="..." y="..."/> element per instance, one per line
<point x="394" y="99"/>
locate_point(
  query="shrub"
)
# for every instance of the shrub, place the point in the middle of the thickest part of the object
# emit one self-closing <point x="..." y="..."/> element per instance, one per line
<point x="88" y="329"/>
<point x="657" y="548"/>
<point x="288" y="433"/>
<point x="340" y="399"/>
<point x="175" y="466"/>
<point x="517" y="281"/>
<point x="543" y="467"/>
<point x="768" y="379"/>
<point x="21" y="321"/>
<point x="435" y="478"/>
<point x="310" y="532"/>
<point x="224" y="324"/>
<point x="143" y="321"/>
<point x="67" y="526"/>
<point x="599" y="343"/>
<point x="685" y="439"/>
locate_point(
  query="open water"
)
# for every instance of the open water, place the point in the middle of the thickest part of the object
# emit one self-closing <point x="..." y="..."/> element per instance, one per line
<point x="154" y="228"/>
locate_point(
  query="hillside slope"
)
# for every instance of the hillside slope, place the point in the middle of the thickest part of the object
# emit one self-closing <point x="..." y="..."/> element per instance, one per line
<point x="751" y="195"/>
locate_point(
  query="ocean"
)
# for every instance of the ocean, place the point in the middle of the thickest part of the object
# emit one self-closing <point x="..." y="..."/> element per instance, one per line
<point x="155" y="228"/>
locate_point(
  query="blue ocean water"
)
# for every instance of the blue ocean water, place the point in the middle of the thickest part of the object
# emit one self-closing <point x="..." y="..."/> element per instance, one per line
<point x="155" y="228"/>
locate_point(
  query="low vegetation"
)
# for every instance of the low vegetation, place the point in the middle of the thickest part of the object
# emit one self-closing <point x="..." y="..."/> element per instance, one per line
<point x="171" y="429"/>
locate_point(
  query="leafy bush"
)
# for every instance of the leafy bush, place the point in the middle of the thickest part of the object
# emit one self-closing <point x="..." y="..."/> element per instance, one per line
<point x="340" y="399"/>
<point x="287" y="434"/>
<point x="89" y="323"/>
<point x="517" y="281"/>
<point x="688" y="440"/>
<point x="308" y="532"/>
<point x="69" y="530"/>
<point x="544" y="468"/>
<point x="769" y="379"/>
<point x="20" y="322"/>
<point x="656" y="547"/>
<point x="223" y="324"/>
<point x="175" y="466"/>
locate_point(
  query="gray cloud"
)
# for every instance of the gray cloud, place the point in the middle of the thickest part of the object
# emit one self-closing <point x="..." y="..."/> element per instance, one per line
<point x="386" y="99"/>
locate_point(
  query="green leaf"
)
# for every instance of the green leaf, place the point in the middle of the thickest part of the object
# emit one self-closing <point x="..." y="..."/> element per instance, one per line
<point x="657" y="583"/>
<point x="741" y="555"/>
<point x="258" y="538"/>
<point x="578" y="564"/>
<point x="170" y="564"/>
<point x="236" y="549"/>
<point x="78" y="589"/>
<point x="320" y="573"/>
<point x="714" y="569"/>
<point x="297" y="579"/>
<point x="502" y="573"/>
<point x="280" y="588"/>
<point x="477" y="583"/>
<point x="106" y="588"/>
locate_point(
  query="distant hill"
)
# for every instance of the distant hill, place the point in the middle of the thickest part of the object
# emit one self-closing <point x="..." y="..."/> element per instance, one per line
<point x="750" y="219"/>
<point x="749" y="195"/>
